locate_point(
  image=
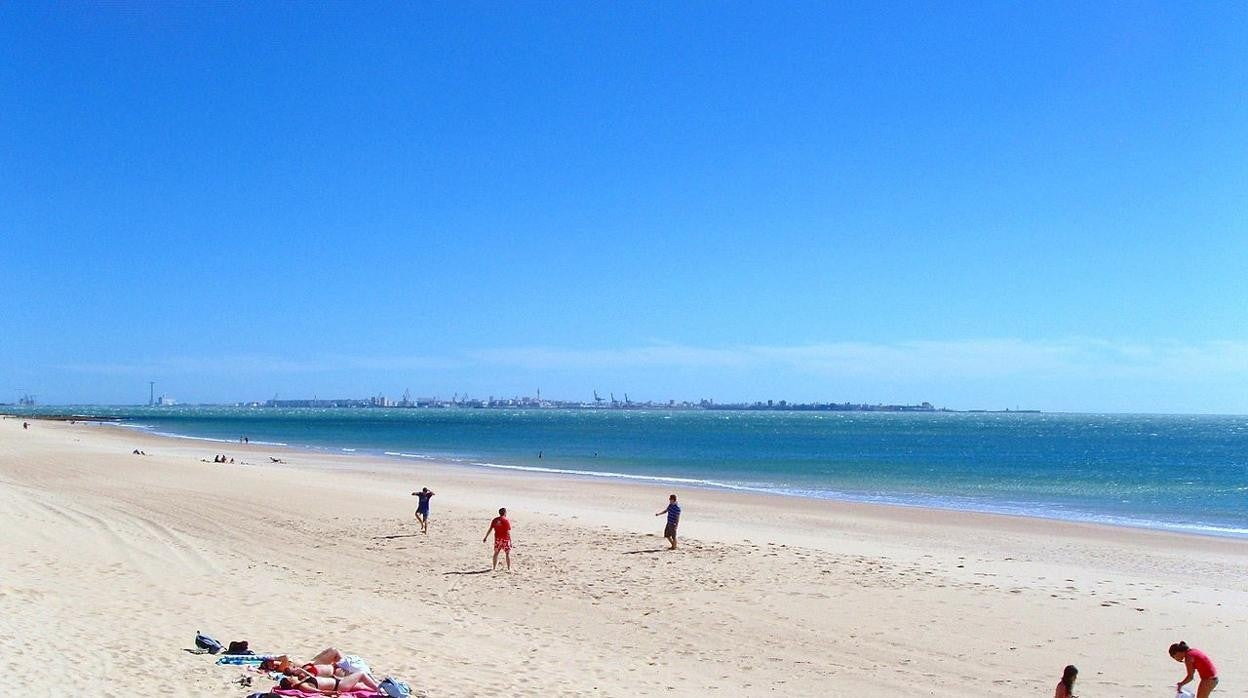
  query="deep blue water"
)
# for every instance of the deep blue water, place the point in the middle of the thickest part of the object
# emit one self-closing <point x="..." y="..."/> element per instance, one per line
<point x="1187" y="473"/>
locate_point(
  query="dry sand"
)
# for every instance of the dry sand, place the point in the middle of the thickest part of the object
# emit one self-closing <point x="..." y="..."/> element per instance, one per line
<point x="109" y="563"/>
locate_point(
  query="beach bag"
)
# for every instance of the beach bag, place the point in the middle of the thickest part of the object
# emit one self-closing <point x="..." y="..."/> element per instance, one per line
<point x="238" y="647"/>
<point x="394" y="689"/>
<point x="206" y="643"/>
<point x="1184" y="693"/>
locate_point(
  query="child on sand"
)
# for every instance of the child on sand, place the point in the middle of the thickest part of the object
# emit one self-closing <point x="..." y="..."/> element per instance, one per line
<point x="1197" y="662"/>
<point x="422" y="508"/>
<point x="1066" y="687"/>
<point x="501" y="528"/>
<point x="673" y="520"/>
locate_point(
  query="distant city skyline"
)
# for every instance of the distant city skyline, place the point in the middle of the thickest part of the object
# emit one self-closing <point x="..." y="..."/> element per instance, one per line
<point x="980" y="205"/>
<point x="951" y="375"/>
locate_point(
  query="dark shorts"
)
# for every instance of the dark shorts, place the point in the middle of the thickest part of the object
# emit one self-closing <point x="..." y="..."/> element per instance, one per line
<point x="423" y="511"/>
<point x="670" y="531"/>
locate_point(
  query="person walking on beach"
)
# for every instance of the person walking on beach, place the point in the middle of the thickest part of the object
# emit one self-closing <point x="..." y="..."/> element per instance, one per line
<point x="1197" y="662"/>
<point x="1066" y="687"/>
<point x="422" y="508"/>
<point x="673" y="520"/>
<point x="501" y="528"/>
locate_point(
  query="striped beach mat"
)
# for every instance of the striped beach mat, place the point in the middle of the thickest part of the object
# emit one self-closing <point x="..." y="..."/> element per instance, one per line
<point x="241" y="659"/>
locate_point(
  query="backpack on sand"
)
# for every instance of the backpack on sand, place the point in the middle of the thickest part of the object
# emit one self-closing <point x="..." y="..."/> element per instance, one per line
<point x="206" y="643"/>
<point x="394" y="689"/>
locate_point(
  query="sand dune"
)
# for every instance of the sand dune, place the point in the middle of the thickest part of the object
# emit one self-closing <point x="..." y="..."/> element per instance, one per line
<point x="112" y="561"/>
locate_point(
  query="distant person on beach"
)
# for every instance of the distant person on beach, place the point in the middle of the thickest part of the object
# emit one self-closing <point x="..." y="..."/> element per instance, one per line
<point x="422" y="508"/>
<point x="1197" y="662"/>
<point x="673" y="520"/>
<point x="25" y="425"/>
<point x="1066" y="687"/>
<point x="501" y="528"/>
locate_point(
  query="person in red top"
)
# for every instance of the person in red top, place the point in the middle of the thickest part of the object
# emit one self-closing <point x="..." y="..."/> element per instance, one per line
<point x="501" y="528"/>
<point x="1066" y="687"/>
<point x="1197" y="662"/>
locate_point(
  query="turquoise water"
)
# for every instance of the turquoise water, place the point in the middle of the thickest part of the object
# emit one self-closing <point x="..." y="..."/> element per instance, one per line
<point x="1185" y="473"/>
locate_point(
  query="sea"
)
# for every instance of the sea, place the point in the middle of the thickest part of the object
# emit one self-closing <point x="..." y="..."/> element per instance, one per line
<point x="1172" y="472"/>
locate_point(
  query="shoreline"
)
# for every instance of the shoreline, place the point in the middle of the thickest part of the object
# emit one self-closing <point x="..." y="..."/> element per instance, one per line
<point x="399" y="466"/>
<point x="1078" y="518"/>
<point x="766" y="594"/>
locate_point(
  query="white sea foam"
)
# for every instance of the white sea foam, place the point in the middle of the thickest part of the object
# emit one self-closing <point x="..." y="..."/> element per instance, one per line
<point x="624" y="476"/>
<point x="1044" y="510"/>
<point x="125" y="425"/>
<point x="152" y="430"/>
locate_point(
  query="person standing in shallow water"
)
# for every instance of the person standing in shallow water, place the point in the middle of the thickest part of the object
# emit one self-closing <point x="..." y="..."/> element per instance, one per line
<point x="673" y="520"/>
<point x="501" y="528"/>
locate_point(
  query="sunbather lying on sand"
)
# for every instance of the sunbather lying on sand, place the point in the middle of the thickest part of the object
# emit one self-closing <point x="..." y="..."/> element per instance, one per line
<point x="328" y="684"/>
<point x="329" y="662"/>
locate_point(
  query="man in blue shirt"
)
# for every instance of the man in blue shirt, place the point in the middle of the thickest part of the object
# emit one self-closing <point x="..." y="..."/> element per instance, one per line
<point x="422" y="508"/>
<point x="673" y="518"/>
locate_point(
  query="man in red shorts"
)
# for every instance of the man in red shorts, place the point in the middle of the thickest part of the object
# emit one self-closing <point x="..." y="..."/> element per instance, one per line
<point x="501" y="528"/>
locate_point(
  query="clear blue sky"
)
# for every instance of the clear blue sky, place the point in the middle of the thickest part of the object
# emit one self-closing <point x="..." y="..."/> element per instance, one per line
<point x="980" y="205"/>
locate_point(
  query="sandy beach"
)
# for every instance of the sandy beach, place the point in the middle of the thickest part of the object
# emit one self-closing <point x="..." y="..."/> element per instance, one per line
<point x="112" y="561"/>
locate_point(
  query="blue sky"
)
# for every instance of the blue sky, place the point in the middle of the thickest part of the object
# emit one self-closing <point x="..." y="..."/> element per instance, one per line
<point x="980" y="205"/>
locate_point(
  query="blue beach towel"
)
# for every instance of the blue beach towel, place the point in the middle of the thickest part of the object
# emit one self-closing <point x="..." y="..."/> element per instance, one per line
<point x="241" y="659"/>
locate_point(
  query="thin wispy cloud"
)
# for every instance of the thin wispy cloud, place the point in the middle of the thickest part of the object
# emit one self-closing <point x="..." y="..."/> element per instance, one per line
<point x="260" y="365"/>
<point x="972" y="358"/>
<point x="986" y="358"/>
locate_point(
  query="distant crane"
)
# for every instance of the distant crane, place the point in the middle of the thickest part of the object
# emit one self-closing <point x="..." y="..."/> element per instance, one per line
<point x="626" y="400"/>
<point x="597" y="399"/>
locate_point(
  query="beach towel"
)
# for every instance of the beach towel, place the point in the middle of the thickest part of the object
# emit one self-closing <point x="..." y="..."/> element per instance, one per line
<point x="296" y="693"/>
<point x="244" y="659"/>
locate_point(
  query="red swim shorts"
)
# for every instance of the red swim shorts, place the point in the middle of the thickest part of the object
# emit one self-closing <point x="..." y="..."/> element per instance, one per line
<point x="502" y="544"/>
